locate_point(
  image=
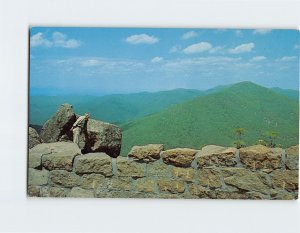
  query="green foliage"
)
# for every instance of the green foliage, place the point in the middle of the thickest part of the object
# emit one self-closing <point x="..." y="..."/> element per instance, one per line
<point x="270" y="137"/>
<point x="112" y="108"/>
<point x="210" y="119"/>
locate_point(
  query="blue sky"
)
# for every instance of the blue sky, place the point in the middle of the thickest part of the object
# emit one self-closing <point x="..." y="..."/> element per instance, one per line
<point x="100" y="61"/>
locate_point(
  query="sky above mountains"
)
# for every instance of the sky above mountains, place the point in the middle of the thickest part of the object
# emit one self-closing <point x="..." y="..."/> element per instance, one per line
<point x="100" y="61"/>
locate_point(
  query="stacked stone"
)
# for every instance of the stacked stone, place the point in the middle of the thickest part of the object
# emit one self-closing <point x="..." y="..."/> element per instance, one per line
<point x="257" y="172"/>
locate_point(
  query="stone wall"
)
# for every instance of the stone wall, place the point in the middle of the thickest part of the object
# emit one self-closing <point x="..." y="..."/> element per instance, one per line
<point x="257" y="172"/>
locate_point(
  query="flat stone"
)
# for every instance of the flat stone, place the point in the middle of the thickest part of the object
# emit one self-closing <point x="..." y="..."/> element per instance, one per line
<point x="37" y="177"/>
<point x="186" y="174"/>
<point x="216" y="156"/>
<point x="245" y="180"/>
<point x="146" y="185"/>
<point x="36" y="153"/>
<point x="147" y="153"/>
<point x="130" y="168"/>
<point x="172" y="186"/>
<point x="180" y="157"/>
<point x="94" y="163"/>
<point x="57" y="192"/>
<point x="92" y="181"/>
<point x="64" y="178"/>
<point x="210" y="177"/>
<point x="201" y="192"/>
<point x="292" y="158"/>
<point x="33" y="191"/>
<point x="79" y="192"/>
<point x="261" y="157"/>
<point x="279" y="194"/>
<point x="120" y="184"/>
<point x="285" y="179"/>
<point x="61" y="157"/>
<point x="158" y="169"/>
<point x="230" y="195"/>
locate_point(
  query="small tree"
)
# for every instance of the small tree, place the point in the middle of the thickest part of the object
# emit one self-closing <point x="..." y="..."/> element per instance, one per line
<point x="239" y="142"/>
<point x="270" y="137"/>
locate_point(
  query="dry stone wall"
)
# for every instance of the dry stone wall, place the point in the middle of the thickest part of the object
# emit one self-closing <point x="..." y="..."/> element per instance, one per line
<point x="60" y="170"/>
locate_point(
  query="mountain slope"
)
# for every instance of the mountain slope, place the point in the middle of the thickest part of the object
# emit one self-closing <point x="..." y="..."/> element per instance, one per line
<point x="293" y="94"/>
<point x="210" y="119"/>
<point x="112" y="108"/>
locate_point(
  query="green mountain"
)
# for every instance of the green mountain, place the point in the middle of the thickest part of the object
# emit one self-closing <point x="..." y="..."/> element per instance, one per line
<point x="111" y="108"/>
<point x="293" y="94"/>
<point x="210" y="119"/>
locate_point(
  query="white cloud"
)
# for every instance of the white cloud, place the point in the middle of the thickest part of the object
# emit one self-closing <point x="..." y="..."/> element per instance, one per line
<point x="239" y="33"/>
<point x="61" y="40"/>
<point x="258" y="58"/>
<point x="287" y="58"/>
<point x="141" y="39"/>
<point x="38" y="39"/>
<point x="188" y="35"/>
<point x="58" y="40"/>
<point x="198" y="48"/>
<point x="262" y="31"/>
<point x="157" y="59"/>
<point x="297" y="46"/>
<point x="243" y="48"/>
<point x="89" y="62"/>
<point x="174" y="49"/>
<point x="216" y="49"/>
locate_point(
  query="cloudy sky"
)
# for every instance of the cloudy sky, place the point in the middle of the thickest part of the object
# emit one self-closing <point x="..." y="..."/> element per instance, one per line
<point x="99" y="61"/>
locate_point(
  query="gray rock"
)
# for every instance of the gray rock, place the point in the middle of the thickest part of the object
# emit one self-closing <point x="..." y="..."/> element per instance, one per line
<point x="59" y="124"/>
<point x="147" y="153"/>
<point x="61" y="155"/>
<point x="33" y="138"/>
<point x="101" y="137"/>
<point x="37" y="177"/>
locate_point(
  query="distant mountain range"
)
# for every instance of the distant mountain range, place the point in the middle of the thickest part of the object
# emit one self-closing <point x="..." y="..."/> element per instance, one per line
<point x="185" y="117"/>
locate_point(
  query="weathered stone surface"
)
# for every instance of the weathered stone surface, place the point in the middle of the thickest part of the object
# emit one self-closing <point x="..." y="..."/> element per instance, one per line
<point x="120" y="183"/>
<point x="180" y="157"/>
<point x="59" y="124"/>
<point x="285" y="179"/>
<point x="130" y="168"/>
<point x="37" y="177"/>
<point x="101" y="137"/>
<point x="147" y="153"/>
<point x="257" y="196"/>
<point x="186" y="174"/>
<point x="33" y="191"/>
<point x="45" y="191"/>
<point x="216" y="156"/>
<point x="279" y="194"/>
<point x="201" y="192"/>
<point x="79" y="192"/>
<point x="92" y="181"/>
<point x="146" y="185"/>
<point x="220" y="194"/>
<point x="57" y="192"/>
<point x="210" y="177"/>
<point x="292" y="157"/>
<point x="245" y="180"/>
<point x="261" y="157"/>
<point x="158" y="169"/>
<point x="33" y="137"/>
<point x="64" y="178"/>
<point x="172" y="186"/>
<point x="36" y="153"/>
<point x="94" y="163"/>
<point x="61" y="156"/>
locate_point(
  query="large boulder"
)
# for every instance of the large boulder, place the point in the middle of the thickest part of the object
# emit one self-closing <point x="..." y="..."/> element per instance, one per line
<point x="59" y="124"/>
<point x="33" y="138"/>
<point x="100" y="136"/>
